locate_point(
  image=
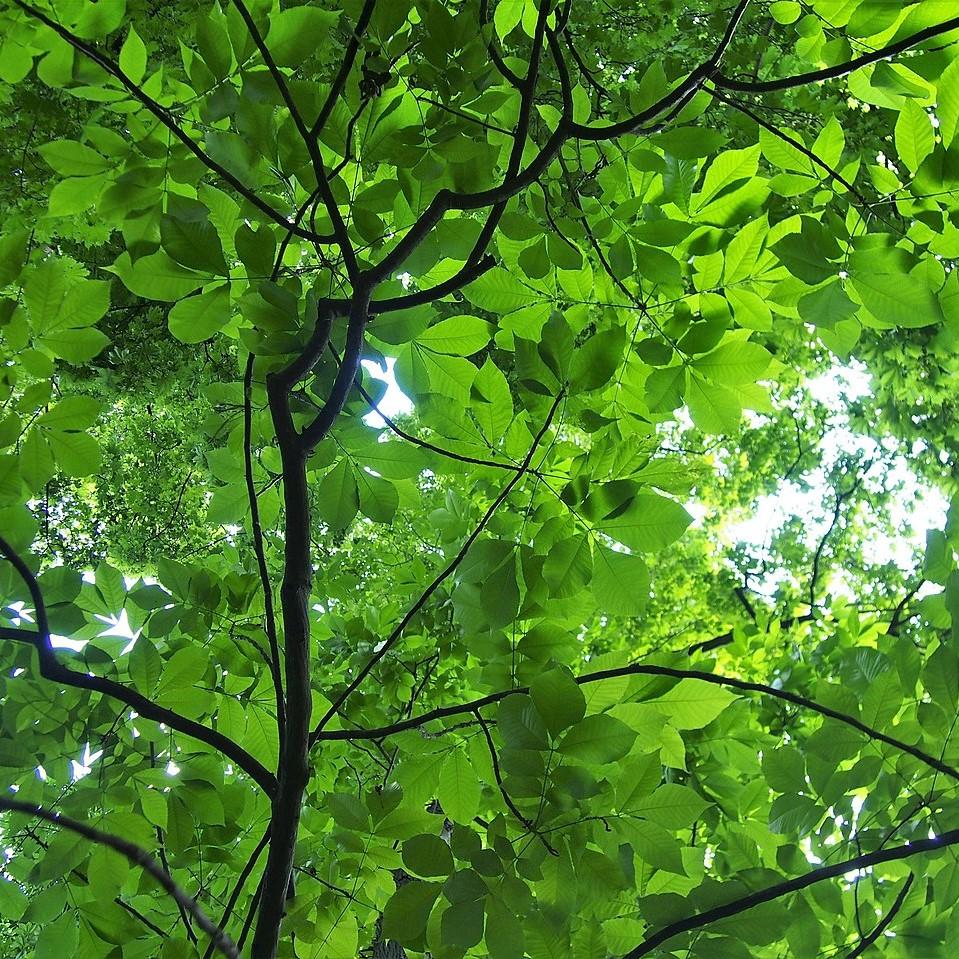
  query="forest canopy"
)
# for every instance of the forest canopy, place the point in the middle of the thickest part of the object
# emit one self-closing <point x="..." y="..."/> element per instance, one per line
<point x="475" y="479"/>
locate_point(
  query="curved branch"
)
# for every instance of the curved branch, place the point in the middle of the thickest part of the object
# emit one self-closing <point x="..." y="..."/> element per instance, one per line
<point x="55" y="671"/>
<point x="259" y="551"/>
<point x="468" y="273"/>
<point x="345" y="375"/>
<point x="832" y="871"/>
<point x="419" y="441"/>
<point x="497" y="774"/>
<point x="883" y="923"/>
<point x="238" y="887"/>
<point x="513" y="183"/>
<point x="496" y="58"/>
<point x="113" y="69"/>
<point x="349" y="59"/>
<point x="309" y="141"/>
<point x="792" y="141"/>
<point x="840" y="70"/>
<point x="640" y="669"/>
<point x="136" y="855"/>
<point x="451" y="567"/>
<point x="681" y="94"/>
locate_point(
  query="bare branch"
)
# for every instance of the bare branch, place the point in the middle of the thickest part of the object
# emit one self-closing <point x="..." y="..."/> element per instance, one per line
<point x="527" y="823"/>
<point x="336" y="90"/>
<point x="309" y="140"/>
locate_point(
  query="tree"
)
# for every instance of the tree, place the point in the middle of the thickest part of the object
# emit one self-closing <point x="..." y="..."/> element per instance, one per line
<point x="430" y="685"/>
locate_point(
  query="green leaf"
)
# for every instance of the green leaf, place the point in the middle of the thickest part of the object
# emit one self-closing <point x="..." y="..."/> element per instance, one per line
<point x="558" y="699"/>
<point x="70" y="158"/>
<point x="598" y="739"/>
<point x="807" y="254"/>
<point x="620" y="582"/>
<point x="462" y="924"/>
<point x="77" y="454"/>
<point x="378" y="498"/>
<point x="712" y="407"/>
<point x="651" y="522"/>
<point x="110" y="586"/>
<point x="198" y="317"/>
<point x="595" y="362"/>
<point x="193" y="244"/>
<point x="406" y="914"/>
<point x="897" y="299"/>
<point x="43" y="293"/>
<point x="13" y="252"/>
<point x="504" y="932"/>
<point x="36" y="461"/>
<point x="507" y="15"/>
<point x="156" y="277"/>
<point x="794" y="814"/>
<point x="101" y="19"/>
<point x="491" y="401"/>
<point x="298" y="33"/>
<point x="184" y="668"/>
<point x="693" y="703"/>
<point x="728" y="168"/>
<point x="76" y="346"/>
<point x="520" y="724"/>
<point x="72" y="413"/>
<point x="338" y="497"/>
<point x="459" y="788"/>
<point x="133" y="56"/>
<point x="456" y="336"/>
<point x="568" y="566"/>
<point x="734" y="362"/>
<point x="742" y="254"/>
<point x="947" y="108"/>
<point x="672" y="806"/>
<point x="427" y="856"/>
<point x="145" y="665"/>
<point x="58" y="938"/>
<point x="13" y="902"/>
<point x="915" y="138"/>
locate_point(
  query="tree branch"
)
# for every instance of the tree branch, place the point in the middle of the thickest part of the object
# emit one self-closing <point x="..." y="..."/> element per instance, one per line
<point x="681" y="94"/>
<point x="528" y="824"/>
<point x="641" y="669"/>
<point x="238" y="886"/>
<point x="113" y="69"/>
<point x="832" y="871"/>
<point x="394" y="636"/>
<point x="468" y="273"/>
<point x="345" y="375"/>
<point x="53" y="670"/>
<point x="883" y="923"/>
<point x="419" y="441"/>
<point x="258" y="549"/>
<point x="801" y="147"/>
<point x="336" y="90"/>
<point x="136" y="855"/>
<point x="447" y="200"/>
<point x="840" y="70"/>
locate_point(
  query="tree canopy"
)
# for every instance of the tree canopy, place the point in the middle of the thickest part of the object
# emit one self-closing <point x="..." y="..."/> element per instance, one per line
<point x="289" y="673"/>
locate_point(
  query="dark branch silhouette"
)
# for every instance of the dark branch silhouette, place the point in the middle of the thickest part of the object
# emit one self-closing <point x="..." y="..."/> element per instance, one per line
<point x="832" y="871"/>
